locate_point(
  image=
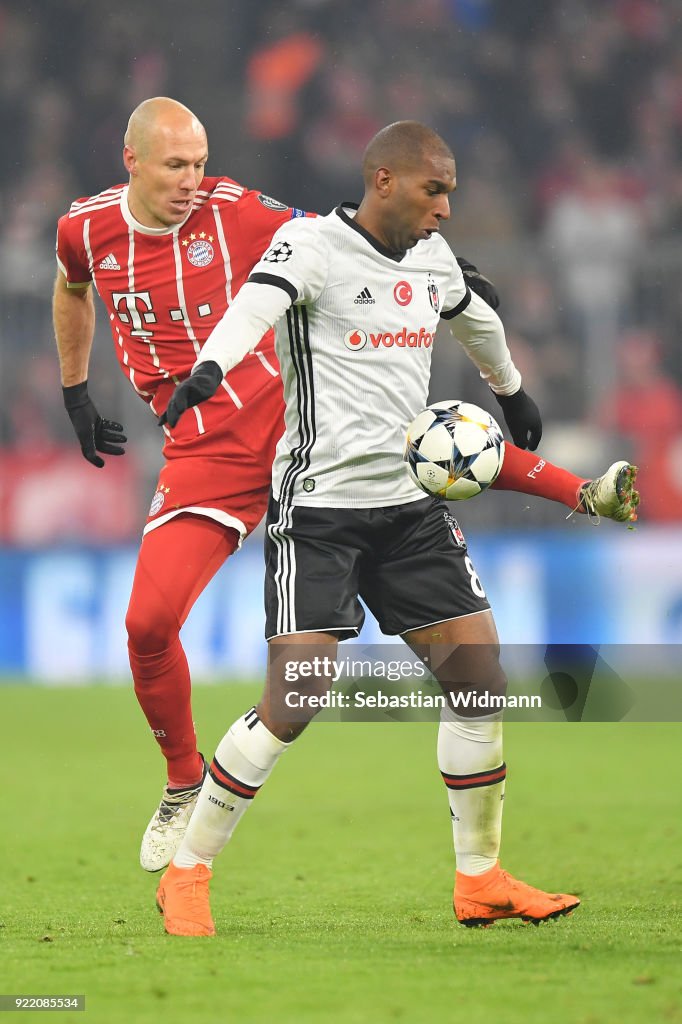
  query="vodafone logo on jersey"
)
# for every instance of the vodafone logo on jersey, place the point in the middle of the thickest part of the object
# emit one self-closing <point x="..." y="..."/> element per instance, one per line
<point x="404" y="338"/>
<point x="402" y="293"/>
<point x="355" y="339"/>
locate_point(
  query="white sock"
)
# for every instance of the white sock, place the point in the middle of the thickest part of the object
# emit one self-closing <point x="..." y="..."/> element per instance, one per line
<point x="243" y="760"/>
<point x="470" y="760"/>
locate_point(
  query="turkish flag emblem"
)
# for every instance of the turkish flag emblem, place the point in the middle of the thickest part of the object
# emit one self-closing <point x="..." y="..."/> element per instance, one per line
<point x="355" y="339"/>
<point x="402" y="293"/>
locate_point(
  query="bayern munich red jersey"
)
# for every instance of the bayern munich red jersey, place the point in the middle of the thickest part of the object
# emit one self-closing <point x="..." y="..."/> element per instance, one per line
<point x="165" y="289"/>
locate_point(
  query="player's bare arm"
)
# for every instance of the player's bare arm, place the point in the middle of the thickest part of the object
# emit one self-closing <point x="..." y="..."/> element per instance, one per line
<point x="73" y="313"/>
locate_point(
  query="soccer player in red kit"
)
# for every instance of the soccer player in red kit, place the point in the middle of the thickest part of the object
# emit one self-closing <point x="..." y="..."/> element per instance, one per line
<point x="167" y="253"/>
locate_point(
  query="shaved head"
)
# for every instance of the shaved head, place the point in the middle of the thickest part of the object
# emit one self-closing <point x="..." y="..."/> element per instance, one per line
<point x="403" y="146"/>
<point x="165" y="153"/>
<point x="159" y="114"/>
<point x="409" y="172"/>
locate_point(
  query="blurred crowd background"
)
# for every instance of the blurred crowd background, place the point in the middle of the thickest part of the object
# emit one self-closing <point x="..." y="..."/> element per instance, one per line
<point x="566" y="121"/>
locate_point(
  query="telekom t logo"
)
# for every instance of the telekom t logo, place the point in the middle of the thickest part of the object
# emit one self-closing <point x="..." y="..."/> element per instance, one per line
<point x="129" y="312"/>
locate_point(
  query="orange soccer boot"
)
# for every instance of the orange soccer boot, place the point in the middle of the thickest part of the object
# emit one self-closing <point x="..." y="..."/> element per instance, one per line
<point x="480" y="900"/>
<point x="182" y="898"/>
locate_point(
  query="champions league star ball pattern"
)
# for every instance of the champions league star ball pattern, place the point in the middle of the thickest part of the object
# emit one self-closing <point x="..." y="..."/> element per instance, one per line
<point x="278" y="253"/>
<point x="454" y="450"/>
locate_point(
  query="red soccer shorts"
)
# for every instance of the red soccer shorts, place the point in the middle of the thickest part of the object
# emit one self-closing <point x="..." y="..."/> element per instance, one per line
<point x="225" y="473"/>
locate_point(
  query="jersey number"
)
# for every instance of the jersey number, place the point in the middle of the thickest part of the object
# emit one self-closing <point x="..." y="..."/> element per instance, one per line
<point x="474" y="580"/>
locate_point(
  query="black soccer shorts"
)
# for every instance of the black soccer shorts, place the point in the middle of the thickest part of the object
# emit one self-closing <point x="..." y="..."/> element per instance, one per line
<point x="409" y="563"/>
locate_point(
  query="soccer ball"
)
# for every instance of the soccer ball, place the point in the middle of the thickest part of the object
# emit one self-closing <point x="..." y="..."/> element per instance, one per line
<point x="454" y="450"/>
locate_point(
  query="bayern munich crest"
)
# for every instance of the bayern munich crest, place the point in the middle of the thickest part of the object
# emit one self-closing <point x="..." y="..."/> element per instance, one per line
<point x="200" y="253"/>
<point x="157" y="503"/>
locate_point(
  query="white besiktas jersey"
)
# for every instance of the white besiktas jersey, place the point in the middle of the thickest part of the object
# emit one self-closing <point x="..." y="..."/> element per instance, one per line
<point x="355" y="357"/>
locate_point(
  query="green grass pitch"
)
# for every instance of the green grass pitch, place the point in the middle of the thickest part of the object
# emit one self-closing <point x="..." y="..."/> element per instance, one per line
<point x="333" y="902"/>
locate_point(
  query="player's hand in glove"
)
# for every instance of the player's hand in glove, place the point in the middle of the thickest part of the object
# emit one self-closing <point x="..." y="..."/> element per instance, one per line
<point x="523" y="419"/>
<point x="94" y="433"/>
<point x="202" y="383"/>
<point x="478" y="283"/>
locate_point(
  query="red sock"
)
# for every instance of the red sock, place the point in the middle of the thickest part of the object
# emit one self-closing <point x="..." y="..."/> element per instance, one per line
<point x="156" y="676"/>
<point x="528" y="473"/>
<point x="175" y="563"/>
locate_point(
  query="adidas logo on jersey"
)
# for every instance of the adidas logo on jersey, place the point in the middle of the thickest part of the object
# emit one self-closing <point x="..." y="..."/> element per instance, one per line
<point x="364" y="298"/>
<point x="109" y="263"/>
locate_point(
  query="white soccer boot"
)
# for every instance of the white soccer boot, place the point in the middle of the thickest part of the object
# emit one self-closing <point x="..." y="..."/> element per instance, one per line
<point x="612" y="495"/>
<point x="164" y="832"/>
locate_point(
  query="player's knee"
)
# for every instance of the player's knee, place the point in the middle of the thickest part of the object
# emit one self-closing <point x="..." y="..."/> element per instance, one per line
<point x="482" y="697"/>
<point x="471" y="668"/>
<point x="150" y="632"/>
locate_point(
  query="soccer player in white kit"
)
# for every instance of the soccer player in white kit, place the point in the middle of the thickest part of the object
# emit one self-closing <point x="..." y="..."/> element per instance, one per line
<point x="356" y="298"/>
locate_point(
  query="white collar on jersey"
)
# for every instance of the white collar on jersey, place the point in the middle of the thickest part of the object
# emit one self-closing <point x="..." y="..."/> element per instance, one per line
<point x="374" y="242"/>
<point x="142" y="228"/>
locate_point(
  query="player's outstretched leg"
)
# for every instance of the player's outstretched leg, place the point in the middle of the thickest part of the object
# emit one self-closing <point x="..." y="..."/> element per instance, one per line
<point x="175" y="563"/>
<point x="612" y="495"/>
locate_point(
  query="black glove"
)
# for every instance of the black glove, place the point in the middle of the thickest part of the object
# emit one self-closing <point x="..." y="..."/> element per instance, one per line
<point x="202" y="383"/>
<point x="94" y="433"/>
<point x="478" y="283"/>
<point x="523" y="419"/>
